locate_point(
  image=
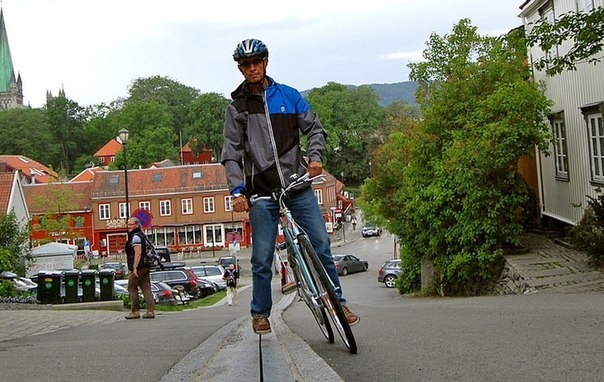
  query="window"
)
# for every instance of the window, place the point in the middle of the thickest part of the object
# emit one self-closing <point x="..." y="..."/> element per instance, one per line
<point x="165" y="208"/>
<point x="585" y="6"/>
<point x="104" y="212"/>
<point x="78" y="221"/>
<point x="208" y="205"/>
<point x="155" y="178"/>
<point x="190" y="235"/>
<point x="197" y="175"/>
<point x="547" y="13"/>
<point x="123" y="211"/>
<point x="595" y="130"/>
<point x="560" y="145"/>
<point x="213" y="235"/>
<point x="112" y="159"/>
<point x="144" y="206"/>
<point x="228" y="203"/>
<point x="186" y="206"/>
<point x="319" y="196"/>
<point x="596" y="138"/>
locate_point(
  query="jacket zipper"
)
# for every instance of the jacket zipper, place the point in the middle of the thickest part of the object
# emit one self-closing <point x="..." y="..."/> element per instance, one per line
<point x="272" y="136"/>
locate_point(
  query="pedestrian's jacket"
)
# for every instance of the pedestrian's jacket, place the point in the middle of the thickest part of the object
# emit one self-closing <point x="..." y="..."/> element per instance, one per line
<point x="130" y="249"/>
<point x="261" y="149"/>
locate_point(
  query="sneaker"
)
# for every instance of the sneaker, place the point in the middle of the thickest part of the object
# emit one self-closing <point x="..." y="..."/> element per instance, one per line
<point x="289" y="288"/>
<point x="149" y="315"/>
<point x="261" y="325"/>
<point x="352" y="318"/>
<point x="132" y="315"/>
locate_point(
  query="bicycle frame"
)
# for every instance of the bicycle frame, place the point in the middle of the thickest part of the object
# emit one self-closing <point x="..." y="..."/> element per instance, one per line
<point x="315" y="287"/>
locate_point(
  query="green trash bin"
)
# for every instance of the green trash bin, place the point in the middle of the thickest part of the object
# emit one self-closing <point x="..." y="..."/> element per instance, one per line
<point x="107" y="281"/>
<point x="71" y="280"/>
<point x="88" y="277"/>
<point x="49" y="287"/>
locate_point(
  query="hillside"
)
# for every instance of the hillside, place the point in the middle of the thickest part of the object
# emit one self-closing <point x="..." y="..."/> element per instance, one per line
<point x="391" y="92"/>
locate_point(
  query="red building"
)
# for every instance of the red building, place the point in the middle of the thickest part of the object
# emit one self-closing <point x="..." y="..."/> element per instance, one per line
<point x="60" y="212"/>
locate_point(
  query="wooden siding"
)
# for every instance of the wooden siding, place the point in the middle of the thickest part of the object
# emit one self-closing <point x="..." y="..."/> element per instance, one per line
<point x="566" y="199"/>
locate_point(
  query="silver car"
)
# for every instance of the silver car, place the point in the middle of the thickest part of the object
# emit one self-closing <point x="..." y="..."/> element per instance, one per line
<point x="212" y="273"/>
<point x="388" y="272"/>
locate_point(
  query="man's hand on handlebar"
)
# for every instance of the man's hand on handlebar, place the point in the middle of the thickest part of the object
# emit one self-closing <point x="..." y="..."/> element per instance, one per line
<point x="315" y="168"/>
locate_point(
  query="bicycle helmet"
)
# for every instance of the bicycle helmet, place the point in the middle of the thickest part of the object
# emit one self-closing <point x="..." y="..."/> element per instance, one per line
<point x="250" y="48"/>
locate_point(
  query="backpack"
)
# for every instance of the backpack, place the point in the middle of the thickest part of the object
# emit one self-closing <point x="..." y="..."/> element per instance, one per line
<point x="151" y="258"/>
<point x="231" y="282"/>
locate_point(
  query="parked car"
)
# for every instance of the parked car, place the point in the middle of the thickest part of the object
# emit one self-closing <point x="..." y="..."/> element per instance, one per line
<point x="211" y="273"/>
<point x="388" y="272"/>
<point x="226" y="260"/>
<point x="163" y="293"/>
<point x="370" y="229"/>
<point x="206" y="287"/>
<point x="119" y="268"/>
<point x="122" y="285"/>
<point x="346" y="264"/>
<point x="22" y="284"/>
<point x="178" y="277"/>
<point x="163" y="252"/>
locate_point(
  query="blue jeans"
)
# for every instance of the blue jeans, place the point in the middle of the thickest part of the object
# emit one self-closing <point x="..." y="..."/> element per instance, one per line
<point x="264" y="216"/>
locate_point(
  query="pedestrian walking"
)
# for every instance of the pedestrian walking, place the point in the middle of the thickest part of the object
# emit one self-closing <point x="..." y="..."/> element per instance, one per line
<point x="231" y="275"/>
<point x="138" y="272"/>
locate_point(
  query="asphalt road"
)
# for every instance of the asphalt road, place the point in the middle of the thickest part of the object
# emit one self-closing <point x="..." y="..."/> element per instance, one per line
<point x="538" y="337"/>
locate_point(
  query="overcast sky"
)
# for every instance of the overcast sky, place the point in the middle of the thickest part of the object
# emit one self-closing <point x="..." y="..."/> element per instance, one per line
<point x="94" y="49"/>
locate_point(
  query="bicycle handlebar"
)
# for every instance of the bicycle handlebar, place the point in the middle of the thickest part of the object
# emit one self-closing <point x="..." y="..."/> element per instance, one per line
<point x="277" y="195"/>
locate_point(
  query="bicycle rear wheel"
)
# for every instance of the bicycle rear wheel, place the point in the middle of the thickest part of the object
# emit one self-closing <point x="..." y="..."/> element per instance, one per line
<point x="316" y="308"/>
<point x="328" y="294"/>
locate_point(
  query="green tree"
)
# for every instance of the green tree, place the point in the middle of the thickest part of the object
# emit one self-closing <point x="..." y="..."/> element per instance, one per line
<point x="165" y="91"/>
<point x="25" y="132"/>
<point x="206" y="116"/>
<point x="65" y="120"/>
<point x="453" y="179"/>
<point x="586" y="32"/>
<point x="352" y="118"/>
<point x="57" y="203"/>
<point x="152" y="145"/>
<point x="13" y="244"/>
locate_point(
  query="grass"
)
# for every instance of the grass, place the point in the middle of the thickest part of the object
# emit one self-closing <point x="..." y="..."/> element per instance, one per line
<point x="193" y="304"/>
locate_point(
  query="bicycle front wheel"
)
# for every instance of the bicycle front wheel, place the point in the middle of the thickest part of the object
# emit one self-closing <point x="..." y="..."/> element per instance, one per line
<point x="327" y="293"/>
<point x="316" y="308"/>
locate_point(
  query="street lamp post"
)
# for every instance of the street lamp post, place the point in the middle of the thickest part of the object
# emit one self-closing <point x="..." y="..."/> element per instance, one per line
<point x="123" y="135"/>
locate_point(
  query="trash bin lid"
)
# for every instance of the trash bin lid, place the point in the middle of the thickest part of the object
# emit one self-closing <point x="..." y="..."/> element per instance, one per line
<point x="106" y="272"/>
<point x="88" y="272"/>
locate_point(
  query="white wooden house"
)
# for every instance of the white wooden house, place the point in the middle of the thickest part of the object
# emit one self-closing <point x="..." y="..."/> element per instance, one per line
<point x="575" y="166"/>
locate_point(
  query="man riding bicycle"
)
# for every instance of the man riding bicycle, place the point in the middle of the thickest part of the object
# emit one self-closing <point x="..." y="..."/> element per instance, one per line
<point x="261" y="153"/>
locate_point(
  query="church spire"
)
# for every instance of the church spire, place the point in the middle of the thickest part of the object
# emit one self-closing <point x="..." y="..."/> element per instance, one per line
<point x="11" y="87"/>
<point x="7" y="74"/>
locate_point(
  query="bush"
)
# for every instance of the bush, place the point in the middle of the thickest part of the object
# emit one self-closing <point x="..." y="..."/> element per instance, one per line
<point x="588" y="235"/>
<point x="8" y="289"/>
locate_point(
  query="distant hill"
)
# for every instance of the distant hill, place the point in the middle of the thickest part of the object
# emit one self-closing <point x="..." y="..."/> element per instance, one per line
<point x="389" y="93"/>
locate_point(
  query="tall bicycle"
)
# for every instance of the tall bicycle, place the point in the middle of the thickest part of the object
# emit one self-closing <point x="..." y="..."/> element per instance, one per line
<point x="314" y="286"/>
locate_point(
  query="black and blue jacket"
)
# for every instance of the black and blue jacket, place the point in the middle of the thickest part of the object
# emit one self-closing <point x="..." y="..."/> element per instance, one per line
<point x="261" y="149"/>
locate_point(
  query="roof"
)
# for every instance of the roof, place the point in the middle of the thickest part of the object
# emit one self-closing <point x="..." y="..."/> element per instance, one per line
<point x="7" y="180"/>
<point x="34" y="171"/>
<point x="160" y="181"/>
<point x="54" y="249"/>
<point x="87" y="174"/>
<point x="67" y="196"/>
<point x="163" y="163"/>
<point x="110" y="148"/>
